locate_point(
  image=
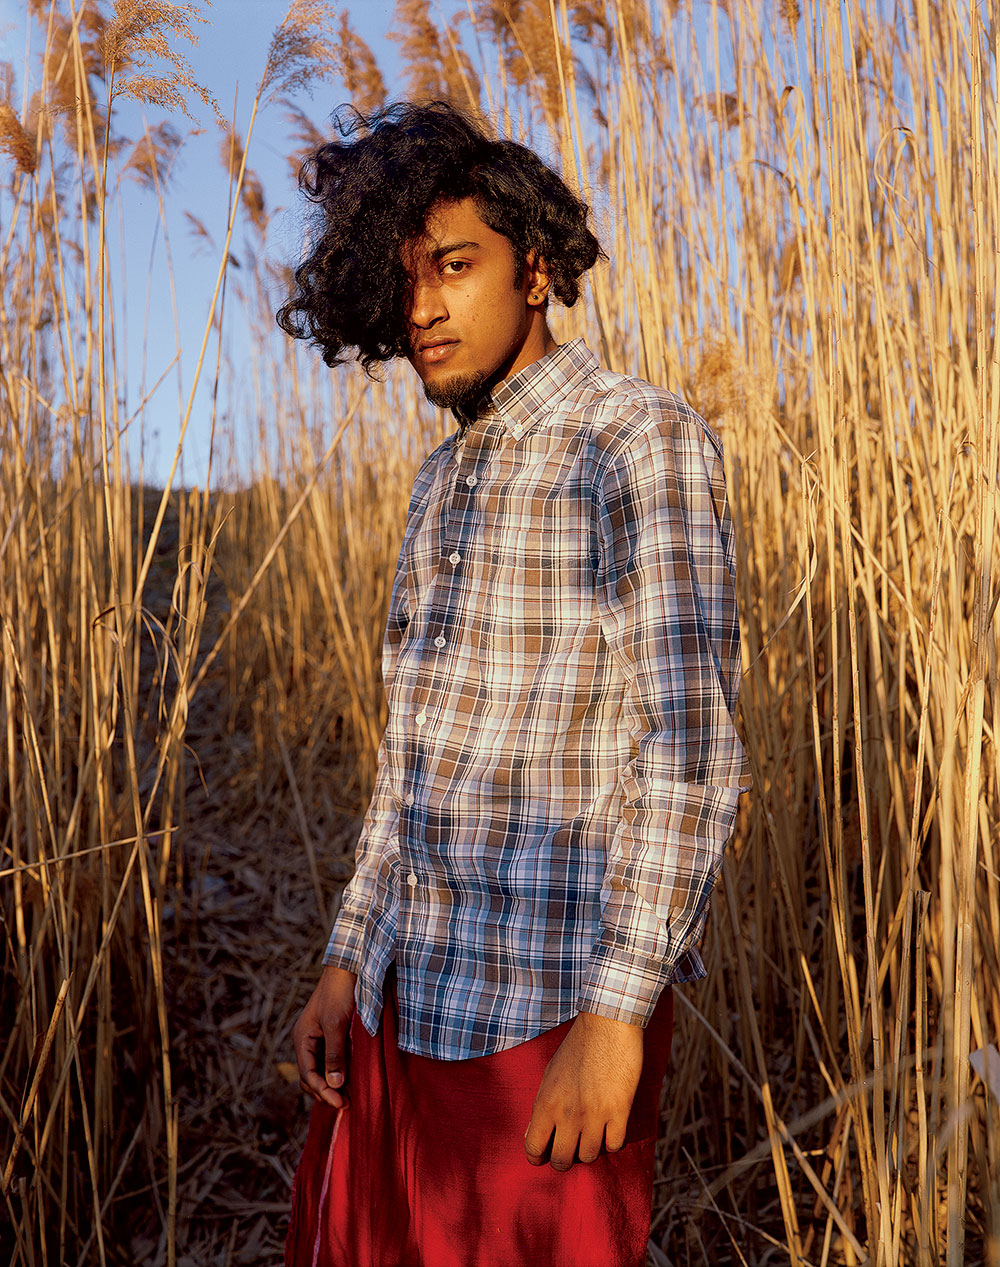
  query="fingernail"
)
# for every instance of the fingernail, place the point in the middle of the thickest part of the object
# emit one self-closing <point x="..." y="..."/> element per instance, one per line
<point x="335" y="1079"/>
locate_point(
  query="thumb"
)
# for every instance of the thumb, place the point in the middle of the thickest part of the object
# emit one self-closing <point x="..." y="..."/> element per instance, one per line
<point x="335" y="1056"/>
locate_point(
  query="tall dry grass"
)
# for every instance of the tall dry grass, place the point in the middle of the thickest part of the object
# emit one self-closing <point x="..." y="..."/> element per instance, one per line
<point x="802" y="210"/>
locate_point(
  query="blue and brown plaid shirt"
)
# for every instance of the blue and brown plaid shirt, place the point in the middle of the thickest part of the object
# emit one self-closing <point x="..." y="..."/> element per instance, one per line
<point x="559" y="773"/>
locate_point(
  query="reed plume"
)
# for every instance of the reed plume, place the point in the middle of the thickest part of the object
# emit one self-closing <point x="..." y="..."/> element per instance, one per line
<point x="802" y="240"/>
<point x="303" y="50"/>
<point x="15" y="141"/>
<point x="145" y="30"/>
<point x="358" y="69"/>
<point x="151" y="158"/>
<point x="437" y="66"/>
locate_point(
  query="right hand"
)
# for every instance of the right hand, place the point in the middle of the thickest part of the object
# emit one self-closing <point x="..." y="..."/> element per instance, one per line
<point x="321" y="1035"/>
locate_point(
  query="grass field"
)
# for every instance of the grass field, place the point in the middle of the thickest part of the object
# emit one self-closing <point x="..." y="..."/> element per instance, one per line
<point x="801" y="206"/>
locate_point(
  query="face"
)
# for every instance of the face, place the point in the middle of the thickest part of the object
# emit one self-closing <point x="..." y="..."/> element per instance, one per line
<point x="473" y="321"/>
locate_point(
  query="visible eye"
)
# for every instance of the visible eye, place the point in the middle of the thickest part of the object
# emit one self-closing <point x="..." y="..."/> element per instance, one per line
<point x="454" y="267"/>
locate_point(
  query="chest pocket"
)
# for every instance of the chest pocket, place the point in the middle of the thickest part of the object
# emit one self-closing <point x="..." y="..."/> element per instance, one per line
<point x="541" y="593"/>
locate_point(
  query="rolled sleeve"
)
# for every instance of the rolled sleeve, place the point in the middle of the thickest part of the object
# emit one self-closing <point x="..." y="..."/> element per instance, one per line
<point x="667" y="603"/>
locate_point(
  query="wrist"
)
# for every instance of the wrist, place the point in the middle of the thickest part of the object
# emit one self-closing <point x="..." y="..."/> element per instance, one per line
<point x="334" y="972"/>
<point x="336" y="987"/>
<point x="606" y="1024"/>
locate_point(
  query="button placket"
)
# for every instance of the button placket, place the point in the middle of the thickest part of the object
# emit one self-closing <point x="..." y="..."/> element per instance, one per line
<point x="476" y="453"/>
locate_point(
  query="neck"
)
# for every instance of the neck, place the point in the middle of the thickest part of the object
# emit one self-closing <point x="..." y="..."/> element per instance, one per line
<point x="537" y="343"/>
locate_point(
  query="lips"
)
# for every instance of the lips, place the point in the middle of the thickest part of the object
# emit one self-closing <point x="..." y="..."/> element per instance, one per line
<point x="431" y="353"/>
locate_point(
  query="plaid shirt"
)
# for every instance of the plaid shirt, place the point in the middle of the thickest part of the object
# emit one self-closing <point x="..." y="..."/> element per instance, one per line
<point x="559" y="773"/>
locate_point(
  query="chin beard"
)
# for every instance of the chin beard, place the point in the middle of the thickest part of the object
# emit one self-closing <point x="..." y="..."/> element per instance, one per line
<point x="461" y="392"/>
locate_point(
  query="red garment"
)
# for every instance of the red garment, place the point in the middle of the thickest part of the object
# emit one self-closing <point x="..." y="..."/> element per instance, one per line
<point x="426" y="1166"/>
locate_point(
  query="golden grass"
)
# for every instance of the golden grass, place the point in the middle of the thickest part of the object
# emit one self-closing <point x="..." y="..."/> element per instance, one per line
<point x="806" y="247"/>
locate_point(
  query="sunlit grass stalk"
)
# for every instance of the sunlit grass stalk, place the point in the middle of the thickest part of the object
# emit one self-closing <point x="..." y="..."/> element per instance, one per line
<point x="800" y="247"/>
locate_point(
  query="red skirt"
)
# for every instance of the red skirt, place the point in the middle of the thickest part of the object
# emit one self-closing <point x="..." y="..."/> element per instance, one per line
<point x="426" y="1165"/>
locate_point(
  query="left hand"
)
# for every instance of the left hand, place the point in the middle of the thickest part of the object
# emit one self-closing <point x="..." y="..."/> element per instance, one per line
<point x="586" y="1093"/>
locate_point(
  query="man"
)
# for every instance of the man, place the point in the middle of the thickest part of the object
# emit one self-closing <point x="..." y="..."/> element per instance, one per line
<point x="559" y="772"/>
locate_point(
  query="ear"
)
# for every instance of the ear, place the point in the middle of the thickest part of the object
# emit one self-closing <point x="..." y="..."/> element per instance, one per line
<point x="538" y="280"/>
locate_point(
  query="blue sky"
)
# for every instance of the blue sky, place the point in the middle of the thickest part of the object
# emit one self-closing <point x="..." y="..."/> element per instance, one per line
<point x="228" y="60"/>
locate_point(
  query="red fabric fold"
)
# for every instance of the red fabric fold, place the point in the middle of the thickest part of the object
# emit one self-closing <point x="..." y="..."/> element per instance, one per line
<point x="426" y="1166"/>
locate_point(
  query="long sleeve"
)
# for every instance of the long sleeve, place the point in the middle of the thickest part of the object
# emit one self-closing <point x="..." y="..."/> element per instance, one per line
<point x="378" y="835"/>
<point x="667" y="607"/>
<point x="380" y="830"/>
<point x="560" y="769"/>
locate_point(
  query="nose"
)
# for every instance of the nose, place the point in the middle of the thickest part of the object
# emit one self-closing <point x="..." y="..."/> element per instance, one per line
<point x="427" y="306"/>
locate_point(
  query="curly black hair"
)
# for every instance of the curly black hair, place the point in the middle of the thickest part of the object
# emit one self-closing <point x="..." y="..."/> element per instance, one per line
<point x="373" y="191"/>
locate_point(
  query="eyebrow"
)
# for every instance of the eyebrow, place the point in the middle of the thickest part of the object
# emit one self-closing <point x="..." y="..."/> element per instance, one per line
<point x="441" y="251"/>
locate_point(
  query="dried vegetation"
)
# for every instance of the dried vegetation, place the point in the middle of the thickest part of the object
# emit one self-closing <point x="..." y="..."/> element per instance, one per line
<point x="801" y="205"/>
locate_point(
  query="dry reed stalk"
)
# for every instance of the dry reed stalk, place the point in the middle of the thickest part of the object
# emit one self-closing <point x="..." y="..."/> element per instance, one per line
<point x="436" y="67"/>
<point x="771" y="187"/>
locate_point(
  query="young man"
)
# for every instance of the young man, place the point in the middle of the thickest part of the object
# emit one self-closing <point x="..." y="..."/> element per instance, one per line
<point x="559" y="772"/>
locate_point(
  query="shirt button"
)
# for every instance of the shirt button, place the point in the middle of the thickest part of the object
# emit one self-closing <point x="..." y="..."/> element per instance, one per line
<point x="439" y="641"/>
<point x="411" y="880"/>
<point x="471" y="481"/>
<point x="410" y="798"/>
<point x="421" y="718"/>
<point x="454" y="557"/>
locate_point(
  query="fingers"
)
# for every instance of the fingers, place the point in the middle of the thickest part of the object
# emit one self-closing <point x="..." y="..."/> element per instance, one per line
<point x="336" y="1057"/>
<point x="322" y="1052"/>
<point x="538" y="1137"/>
<point x="562" y="1142"/>
<point x="306" y="1045"/>
<point x="591" y="1143"/>
<point x="577" y="1141"/>
<point x="308" y="1054"/>
<point x="564" y="1145"/>
<point x="614" y="1134"/>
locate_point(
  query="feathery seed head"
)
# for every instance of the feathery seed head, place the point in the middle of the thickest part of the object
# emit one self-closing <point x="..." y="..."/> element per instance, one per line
<point x="723" y="108"/>
<point x="789" y="263"/>
<point x="358" y="70"/>
<point x="152" y="155"/>
<point x="718" y="386"/>
<point x="790" y="13"/>
<point x="232" y="153"/>
<point x="531" y="47"/>
<point x="303" y="50"/>
<point x="437" y="66"/>
<point x="199" y="232"/>
<point x="139" y="32"/>
<point x="305" y="133"/>
<point x="15" y="141"/>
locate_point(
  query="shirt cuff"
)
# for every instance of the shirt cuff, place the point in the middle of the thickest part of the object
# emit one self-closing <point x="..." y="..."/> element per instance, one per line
<point x="345" y="947"/>
<point x="622" y="986"/>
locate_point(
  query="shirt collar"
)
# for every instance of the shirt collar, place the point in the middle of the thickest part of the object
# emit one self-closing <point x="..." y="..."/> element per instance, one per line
<point x="523" y="400"/>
